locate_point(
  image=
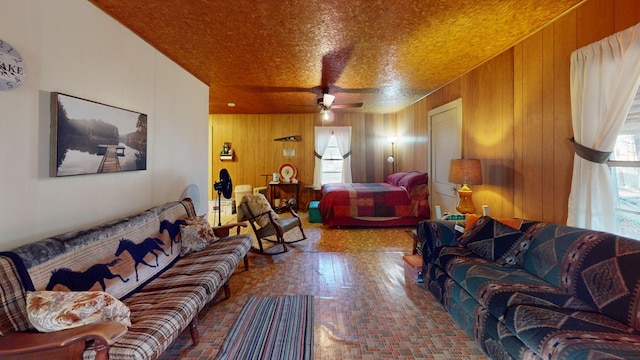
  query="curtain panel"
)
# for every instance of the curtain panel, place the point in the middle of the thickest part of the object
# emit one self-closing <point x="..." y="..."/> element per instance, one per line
<point x="322" y="134"/>
<point x="604" y="80"/>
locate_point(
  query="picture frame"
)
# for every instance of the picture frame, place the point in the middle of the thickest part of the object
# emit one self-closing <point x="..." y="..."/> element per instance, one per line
<point x="89" y="137"/>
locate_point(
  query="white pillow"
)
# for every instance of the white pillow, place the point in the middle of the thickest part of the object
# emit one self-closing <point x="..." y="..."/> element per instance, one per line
<point x="58" y="310"/>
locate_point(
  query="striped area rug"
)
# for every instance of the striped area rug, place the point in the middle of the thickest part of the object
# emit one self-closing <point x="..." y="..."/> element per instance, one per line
<point x="271" y="328"/>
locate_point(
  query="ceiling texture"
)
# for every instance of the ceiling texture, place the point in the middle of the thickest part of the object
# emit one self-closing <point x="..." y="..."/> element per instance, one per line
<point x="280" y="56"/>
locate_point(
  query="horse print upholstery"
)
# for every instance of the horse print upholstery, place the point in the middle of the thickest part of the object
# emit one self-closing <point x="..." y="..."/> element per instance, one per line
<point x="83" y="281"/>
<point x="137" y="241"/>
<point x="172" y="229"/>
<point x="132" y="259"/>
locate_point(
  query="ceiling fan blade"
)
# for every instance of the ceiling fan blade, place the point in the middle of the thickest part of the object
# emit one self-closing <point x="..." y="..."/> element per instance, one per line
<point x="346" y="106"/>
<point x="333" y="65"/>
<point x="279" y="89"/>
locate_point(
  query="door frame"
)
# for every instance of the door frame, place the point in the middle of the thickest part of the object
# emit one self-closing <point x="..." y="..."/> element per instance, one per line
<point x="455" y="105"/>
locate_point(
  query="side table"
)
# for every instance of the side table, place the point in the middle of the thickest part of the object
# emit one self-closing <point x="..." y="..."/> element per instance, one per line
<point x="275" y="187"/>
<point x="416" y="249"/>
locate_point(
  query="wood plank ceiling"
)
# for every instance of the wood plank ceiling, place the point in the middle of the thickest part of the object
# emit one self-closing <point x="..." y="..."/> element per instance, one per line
<point x="279" y="56"/>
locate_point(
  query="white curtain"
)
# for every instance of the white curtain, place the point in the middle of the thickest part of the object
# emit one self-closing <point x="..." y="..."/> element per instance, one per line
<point x="343" y="137"/>
<point x="322" y="136"/>
<point x="604" y="80"/>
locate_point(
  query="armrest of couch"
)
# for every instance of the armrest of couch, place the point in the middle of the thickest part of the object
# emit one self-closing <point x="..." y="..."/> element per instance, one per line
<point x="434" y="234"/>
<point x="64" y="344"/>
<point x="223" y="230"/>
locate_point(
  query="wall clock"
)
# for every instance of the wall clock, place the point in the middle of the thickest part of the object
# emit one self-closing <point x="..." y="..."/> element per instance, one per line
<point x="13" y="70"/>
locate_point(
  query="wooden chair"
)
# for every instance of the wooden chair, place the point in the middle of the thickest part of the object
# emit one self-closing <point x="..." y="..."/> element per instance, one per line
<point x="267" y="225"/>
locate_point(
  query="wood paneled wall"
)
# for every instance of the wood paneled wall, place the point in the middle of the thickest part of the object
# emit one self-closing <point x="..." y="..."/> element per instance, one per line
<point x="256" y="152"/>
<point x="517" y="113"/>
<point x="516" y="119"/>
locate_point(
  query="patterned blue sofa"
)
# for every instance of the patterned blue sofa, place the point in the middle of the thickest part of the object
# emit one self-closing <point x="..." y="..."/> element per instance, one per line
<point x="553" y="292"/>
<point x="139" y="260"/>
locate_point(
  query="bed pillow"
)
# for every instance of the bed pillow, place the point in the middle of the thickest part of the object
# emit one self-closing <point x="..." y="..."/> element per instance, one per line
<point x="393" y="179"/>
<point x="496" y="242"/>
<point x="413" y="179"/>
<point x="50" y="311"/>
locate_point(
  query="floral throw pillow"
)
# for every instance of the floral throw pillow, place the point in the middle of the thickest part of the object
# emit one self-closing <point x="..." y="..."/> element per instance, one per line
<point x="496" y="241"/>
<point x="196" y="234"/>
<point x="50" y="311"/>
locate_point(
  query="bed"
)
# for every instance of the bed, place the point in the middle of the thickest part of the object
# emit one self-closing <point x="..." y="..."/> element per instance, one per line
<point x="401" y="200"/>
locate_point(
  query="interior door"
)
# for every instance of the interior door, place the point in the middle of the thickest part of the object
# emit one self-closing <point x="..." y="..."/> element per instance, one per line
<point x="446" y="144"/>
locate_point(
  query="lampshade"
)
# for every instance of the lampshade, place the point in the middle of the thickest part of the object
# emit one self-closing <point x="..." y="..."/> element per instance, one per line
<point x="390" y="159"/>
<point x="465" y="171"/>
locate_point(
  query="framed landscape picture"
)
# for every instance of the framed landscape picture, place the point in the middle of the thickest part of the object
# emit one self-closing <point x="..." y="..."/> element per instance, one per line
<point x="88" y="137"/>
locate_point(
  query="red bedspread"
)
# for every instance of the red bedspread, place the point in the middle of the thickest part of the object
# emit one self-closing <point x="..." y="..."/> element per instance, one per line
<point x="373" y="200"/>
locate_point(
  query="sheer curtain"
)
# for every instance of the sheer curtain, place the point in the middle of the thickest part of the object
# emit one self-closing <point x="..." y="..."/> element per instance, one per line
<point x="604" y="79"/>
<point x="322" y="136"/>
<point x="343" y="137"/>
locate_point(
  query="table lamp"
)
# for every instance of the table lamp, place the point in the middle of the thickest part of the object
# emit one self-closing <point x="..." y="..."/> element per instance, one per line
<point x="466" y="172"/>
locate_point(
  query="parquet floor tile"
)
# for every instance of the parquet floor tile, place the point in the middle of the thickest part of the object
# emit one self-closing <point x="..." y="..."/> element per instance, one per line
<point x="364" y="307"/>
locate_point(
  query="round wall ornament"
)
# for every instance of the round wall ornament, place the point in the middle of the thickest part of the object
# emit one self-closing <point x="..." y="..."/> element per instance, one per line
<point x="13" y="69"/>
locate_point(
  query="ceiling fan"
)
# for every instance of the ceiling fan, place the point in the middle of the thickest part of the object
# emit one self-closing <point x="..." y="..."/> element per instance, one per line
<point x="326" y="102"/>
<point x="333" y="64"/>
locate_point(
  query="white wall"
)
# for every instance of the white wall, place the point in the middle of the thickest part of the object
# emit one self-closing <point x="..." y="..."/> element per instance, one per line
<point x="70" y="46"/>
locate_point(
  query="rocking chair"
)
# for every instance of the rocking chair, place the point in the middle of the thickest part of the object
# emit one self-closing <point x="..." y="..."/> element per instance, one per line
<point x="266" y="224"/>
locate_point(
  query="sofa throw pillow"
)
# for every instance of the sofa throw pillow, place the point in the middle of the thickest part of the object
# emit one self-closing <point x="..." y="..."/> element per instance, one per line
<point x="496" y="242"/>
<point x="196" y="234"/>
<point x="202" y="219"/>
<point x="50" y="311"/>
<point x="471" y="219"/>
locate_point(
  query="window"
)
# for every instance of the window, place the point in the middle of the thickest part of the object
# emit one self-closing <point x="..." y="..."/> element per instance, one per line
<point x="332" y="163"/>
<point x="624" y="163"/>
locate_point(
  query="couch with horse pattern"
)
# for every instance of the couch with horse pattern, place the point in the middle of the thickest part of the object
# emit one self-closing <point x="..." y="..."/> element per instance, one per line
<point x="141" y="260"/>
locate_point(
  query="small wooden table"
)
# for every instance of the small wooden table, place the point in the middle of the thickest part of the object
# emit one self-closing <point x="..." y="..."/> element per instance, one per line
<point x="417" y="246"/>
<point x="286" y="187"/>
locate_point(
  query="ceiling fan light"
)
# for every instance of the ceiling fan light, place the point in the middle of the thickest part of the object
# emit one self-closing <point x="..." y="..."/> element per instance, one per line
<point x="327" y="100"/>
<point x="325" y="114"/>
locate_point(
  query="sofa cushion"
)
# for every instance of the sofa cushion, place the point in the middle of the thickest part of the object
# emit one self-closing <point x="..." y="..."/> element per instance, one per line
<point x="497" y="287"/>
<point x="471" y="219"/>
<point x="158" y="316"/>
<point x="117" y="257"/>
<point x="58" y="310"/>
<point x="13" y="312"/>
<point x="496" y="241"/>
<point x="570" y="334"/>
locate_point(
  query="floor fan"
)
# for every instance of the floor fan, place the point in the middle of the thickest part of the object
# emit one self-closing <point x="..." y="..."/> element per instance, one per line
<point x="224" y="187"/>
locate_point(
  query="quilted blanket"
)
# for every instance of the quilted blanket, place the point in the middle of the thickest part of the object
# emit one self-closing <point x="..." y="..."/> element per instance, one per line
<point x="372" y="200"/>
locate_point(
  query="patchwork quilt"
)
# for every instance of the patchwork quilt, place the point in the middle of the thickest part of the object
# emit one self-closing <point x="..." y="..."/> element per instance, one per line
<point x="373" y="200"/>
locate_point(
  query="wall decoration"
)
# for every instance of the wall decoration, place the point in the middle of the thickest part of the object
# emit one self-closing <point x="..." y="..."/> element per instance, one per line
<point x="226" y="153"/>
<point x="13" y="69"/>
<point x="88" y="137"/>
